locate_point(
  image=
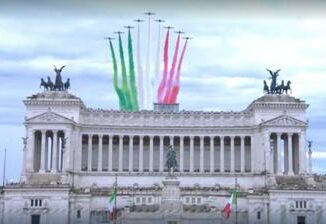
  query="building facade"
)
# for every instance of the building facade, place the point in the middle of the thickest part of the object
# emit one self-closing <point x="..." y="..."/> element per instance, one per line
<point x="72" y="155"/>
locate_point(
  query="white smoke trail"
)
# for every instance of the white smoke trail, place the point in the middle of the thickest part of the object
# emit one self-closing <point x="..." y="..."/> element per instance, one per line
<point x="140" y="77"/>
<point x="147" y="88"/>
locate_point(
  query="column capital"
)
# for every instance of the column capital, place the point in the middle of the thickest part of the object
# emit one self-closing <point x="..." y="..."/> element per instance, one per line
<point x="151" y="137"/>
<point x="232" y="137"/>
<point x="43" y="131"/>
<point x="221" y="136"/>
<point x="191" y="137"/>
<point x="100" y="135"/>
<point x="141" y="136"/>
<point x="278" y="134"/>
<point x="289" y="134"/>
<point x="131" y="137"/>
<point x="181" y="136"/>
<point x="201" y="137"/>
<point x="242" y="137"/>
<point x="90" y="135"/>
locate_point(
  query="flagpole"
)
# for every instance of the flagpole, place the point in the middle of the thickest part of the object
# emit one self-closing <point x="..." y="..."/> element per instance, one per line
<point x="236" y="202"/>
<point x="115" y="201"/>
<point x="4" y="169"/>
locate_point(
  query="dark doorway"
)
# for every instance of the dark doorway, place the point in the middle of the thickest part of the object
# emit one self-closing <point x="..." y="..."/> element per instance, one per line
<point x="301" y="220"/>
<point x="35" y="219"/>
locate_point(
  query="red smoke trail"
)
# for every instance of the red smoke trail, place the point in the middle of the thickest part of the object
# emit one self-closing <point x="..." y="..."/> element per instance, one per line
<point x="160" y="90"/>
<point x="176" y="85"/>
<point x="168" y="88"/>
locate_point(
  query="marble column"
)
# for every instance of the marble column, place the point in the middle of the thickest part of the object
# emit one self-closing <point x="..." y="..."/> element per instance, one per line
<point x="302" y="153"/>
<point x="242" y="153"/>
<point x="161" y="154"/>
<point x="191" y="165"/>
<point x="42" y="168"/>
<point x="120" y="153"/>
<point x="279" y="154"/>
<point x="181" y="153"/>
<point x="310" y="161"/>
<point x="131" y="153"/>
<point x="232" y="154"/>
<point x="110" y="162"/>
<point x="100" y="153"/>
<point x="151" y="138"/>
<point x="141" y="153"/>
<point x="201" y="155"/>
<point x="222" y="154"/>
<point x="54" y="166"/>
<point x="211" y="154"/>
<point x="290" y="154"/>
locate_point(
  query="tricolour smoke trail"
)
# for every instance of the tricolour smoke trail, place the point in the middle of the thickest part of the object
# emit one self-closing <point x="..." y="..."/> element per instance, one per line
<point x="122" y="101"/>
<point x="158" y="54"/>
<point x="160" y="90"/>
<point x="171" y="75"/>
<point x="125" y="86"/>
<point x="176" y="85"/>
<point x="147" y="88"/>
<point x="140" y="77"/>
<point x="132" y="81"/>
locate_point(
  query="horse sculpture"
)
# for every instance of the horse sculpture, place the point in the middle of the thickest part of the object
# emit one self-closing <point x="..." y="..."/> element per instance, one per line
<point x="266" y="88"/>
<point x="44" y="84"/>
<point x="280" y="88"/>
<point x="171" y="161"/>
<point x="287" y="87"/>
<point x="66" y="85"/>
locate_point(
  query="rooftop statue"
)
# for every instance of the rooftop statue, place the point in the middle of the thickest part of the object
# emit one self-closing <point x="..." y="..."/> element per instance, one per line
<point x="58" y="84"/>
<point x="171" y="160"/>
<point x="274" y="87"/>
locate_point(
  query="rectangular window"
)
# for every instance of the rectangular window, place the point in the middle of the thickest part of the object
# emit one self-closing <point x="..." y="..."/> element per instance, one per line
<point x="36" y="203"/>
<point x="143" y="200"/>
<point x="300" y="204"/>
<point x="149" y="200"/>
<point x="40" y="203"/>
<point x="301" y="220"/>
<point x="187" y="200"/>
<point x="193" y="200"/>
<point x="35" y="219"/>
<point x="78" y="214"/>
<point x="137" y="200"/>
<point x="198" y="200"/>
<point x="258" y="215"/>
<point x="32" y="203"/>
<point x="304" y="204"/>
<point x="296" y="204"/>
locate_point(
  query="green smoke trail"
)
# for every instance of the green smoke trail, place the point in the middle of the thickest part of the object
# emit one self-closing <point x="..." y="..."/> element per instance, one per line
<point x="125" y="86"/>
<point x="132" y="80"/>
<point x="122" y="101"/>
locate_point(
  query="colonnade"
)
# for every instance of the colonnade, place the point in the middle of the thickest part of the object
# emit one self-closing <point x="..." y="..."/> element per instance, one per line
<point x="100" y="152"/>
<point x="48" y="148"/>
<point x="287" y="153"/>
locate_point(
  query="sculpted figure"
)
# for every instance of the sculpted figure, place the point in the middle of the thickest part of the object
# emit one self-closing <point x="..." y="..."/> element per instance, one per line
<point x="58" y="85"/>
<point x="171" y="160"/>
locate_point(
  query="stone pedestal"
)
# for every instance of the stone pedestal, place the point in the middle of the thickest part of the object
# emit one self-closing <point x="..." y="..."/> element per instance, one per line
<point x="171" y="203"/>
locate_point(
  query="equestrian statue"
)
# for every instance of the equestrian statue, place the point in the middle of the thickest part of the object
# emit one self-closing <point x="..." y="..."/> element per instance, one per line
<point x="58" y="84"/>
<point x="171" y="160"/>
<point x="274" y="88"/>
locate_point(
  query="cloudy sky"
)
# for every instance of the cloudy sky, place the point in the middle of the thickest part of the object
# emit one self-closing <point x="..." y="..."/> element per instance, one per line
<point x="232" y="45"/>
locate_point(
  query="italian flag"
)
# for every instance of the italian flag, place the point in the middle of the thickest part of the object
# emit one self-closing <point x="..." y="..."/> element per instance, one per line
<point x="232" y="202"/>
<point x="112" y="203"/>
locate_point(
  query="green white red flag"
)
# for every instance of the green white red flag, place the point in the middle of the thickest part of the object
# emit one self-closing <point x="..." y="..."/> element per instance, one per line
<point x="231" y="203"/>
<point x="112" y="203"/>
